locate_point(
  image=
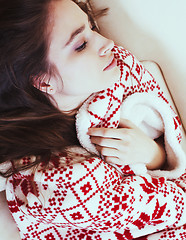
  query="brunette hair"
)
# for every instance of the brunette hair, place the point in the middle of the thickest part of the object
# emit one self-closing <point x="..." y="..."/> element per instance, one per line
<point x="30" y="125"/>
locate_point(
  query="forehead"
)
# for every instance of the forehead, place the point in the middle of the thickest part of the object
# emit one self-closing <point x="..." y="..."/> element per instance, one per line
<point x="66" y="8"/>
<point x="67" y="17"/>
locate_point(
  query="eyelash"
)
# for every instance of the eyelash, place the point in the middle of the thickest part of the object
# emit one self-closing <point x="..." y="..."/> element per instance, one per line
<point x="82" y="47"/>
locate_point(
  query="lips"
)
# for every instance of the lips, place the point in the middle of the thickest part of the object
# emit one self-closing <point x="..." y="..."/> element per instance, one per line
<point x="111" y="64"/>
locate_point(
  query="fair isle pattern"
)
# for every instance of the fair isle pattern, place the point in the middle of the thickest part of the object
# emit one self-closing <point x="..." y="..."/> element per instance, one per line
<point x="143" y="103"/>
<point x="104" y="108"/>
<point x="178" y="233"/>
<point x="134" y="78"/>
<point x="91" y="200"/>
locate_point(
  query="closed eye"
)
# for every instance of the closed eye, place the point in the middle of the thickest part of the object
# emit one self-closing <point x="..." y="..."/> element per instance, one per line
<point x="81" y="47"/>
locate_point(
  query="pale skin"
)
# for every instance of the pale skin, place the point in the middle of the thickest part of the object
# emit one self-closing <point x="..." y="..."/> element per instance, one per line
<point x="81" y="56"/>
<point x="127" y="145"/>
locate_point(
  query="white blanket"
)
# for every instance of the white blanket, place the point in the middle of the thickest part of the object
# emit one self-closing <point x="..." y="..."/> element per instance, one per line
<point x="149" y="113"/>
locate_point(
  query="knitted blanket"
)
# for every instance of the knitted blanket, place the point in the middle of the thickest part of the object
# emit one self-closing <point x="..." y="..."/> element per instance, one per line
<point x="149" y="112"/>
<point x="91" y="199"/>
<point x="137" y="97"/>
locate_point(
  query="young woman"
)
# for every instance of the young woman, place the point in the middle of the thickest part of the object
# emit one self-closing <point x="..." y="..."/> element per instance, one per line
<point x="51" y="62"/>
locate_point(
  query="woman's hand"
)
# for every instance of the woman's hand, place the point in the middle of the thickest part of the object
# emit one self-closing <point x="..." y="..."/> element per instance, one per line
<point x="128" y="144"/>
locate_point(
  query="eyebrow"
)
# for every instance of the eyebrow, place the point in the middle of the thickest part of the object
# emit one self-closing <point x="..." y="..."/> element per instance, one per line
<point x="74" y="34"/>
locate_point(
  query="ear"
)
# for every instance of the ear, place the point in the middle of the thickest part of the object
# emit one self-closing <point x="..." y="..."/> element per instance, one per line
<point x="47" y="88"/>
<point x="43" y="84"/>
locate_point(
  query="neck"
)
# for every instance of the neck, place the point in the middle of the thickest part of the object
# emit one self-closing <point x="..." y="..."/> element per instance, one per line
<point x="68" y="104"/>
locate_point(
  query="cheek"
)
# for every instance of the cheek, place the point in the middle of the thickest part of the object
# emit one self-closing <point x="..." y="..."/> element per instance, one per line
<point x="81" y="69"/>
<point x="80" y="74"/>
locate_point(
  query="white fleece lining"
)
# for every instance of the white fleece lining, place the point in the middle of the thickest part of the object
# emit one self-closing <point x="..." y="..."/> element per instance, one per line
<point x="153" y="116"/>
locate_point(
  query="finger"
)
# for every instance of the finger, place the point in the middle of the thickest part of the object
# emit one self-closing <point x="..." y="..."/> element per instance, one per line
<point x="123" y="160"/>
<point x="115" y="160"/>
<point x="103" y="132"/>
<point x="107" y="152"/>
<point x="109" y="142"/>
<point x="125" y="123"/>
<point x="108" y="132"/>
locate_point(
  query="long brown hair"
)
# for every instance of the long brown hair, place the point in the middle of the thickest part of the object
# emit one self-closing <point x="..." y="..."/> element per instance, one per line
<point x="30" y="125"/>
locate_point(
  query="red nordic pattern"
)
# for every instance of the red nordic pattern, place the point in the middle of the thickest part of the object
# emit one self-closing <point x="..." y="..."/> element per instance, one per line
<point x="91" y="200"/>
<point x="113" y="208"/>
<point x="104" y="108"/>
<point x="134" y="78"/>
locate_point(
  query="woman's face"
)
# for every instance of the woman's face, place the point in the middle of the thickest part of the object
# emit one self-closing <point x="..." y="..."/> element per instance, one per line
<point x="82" y="57"/>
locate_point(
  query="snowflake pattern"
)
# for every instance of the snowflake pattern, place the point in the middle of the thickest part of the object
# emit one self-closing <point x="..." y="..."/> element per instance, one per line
<point x="91" y="200"/>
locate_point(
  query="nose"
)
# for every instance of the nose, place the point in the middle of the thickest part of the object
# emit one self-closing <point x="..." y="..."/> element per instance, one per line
<point x="106" y="47"/>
